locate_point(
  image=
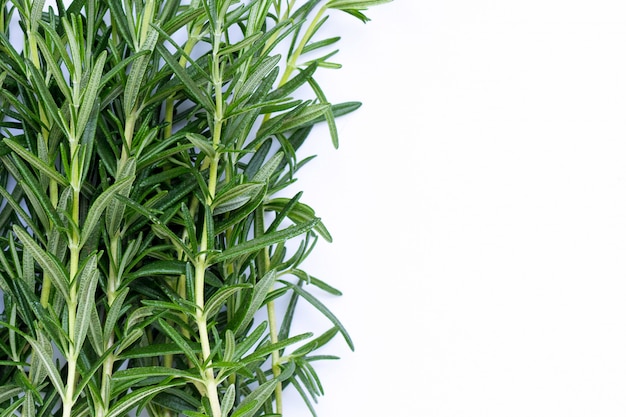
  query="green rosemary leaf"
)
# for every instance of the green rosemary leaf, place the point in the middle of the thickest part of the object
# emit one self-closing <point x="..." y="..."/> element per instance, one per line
<point x="99" y="206"/>
<point x="191" y="86"/>
<point x="137" y="72"/>
<point x="54" y="67"/>
<point x="252" y="402"/>
<point x="215" y="303"/>
<point x="87" y="283"/>
<point x="156" y="350"/>
<point x="265" y="350"/>
<point x="184" y="346"/>
<point x="228" y="401"/>
<point x="322" y="309"/>
<point x="115" y="208"/>
<point x="136" y="396"/>
<point x="9" y="391"/>
<point x="113" y="313"/>
<point x="152" y="371"/>
<point x="36" y="162"/>
<point x="261" y="242"/>
<point x="254" y="302"/>
<point x="50" y="265"/>
<point x="354" y="4"/>
<point x="43" y="350"/>
<point x="235" y="197"/>
<point x="90" y="94"/>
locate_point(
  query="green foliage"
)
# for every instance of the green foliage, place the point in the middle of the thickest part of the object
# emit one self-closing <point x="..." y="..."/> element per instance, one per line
<point x="146" y="148"/>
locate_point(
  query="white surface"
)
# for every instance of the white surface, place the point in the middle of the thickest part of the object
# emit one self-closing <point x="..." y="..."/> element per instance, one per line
<point x="478" y="205"/>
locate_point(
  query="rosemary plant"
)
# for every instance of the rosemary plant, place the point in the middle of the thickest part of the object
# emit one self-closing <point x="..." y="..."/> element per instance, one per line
<point x="146" y="225"/>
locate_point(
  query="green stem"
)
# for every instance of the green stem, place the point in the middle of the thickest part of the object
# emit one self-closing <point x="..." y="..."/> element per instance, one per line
<point x="200" y="264"/>
<point x="293" y="59"/>
<point x="210" y="385"/>
<point x="292" y="62"/>
<point x="263" y="261"/>
<point x="115" y="246"/>
<point x="74" y="247"/>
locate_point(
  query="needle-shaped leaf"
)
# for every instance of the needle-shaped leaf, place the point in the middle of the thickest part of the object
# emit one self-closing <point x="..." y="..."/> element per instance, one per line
<point x="190" y="85"/>
<point x="354" y="4"/>
<point x="44" y="352"/>
<point x="263" y="241"/>
<point x="254" y="302"/>
<point x="54" y="67"/>
<point x="235" y="197"/>
<point x="99" y="205"/>
<point x="253" y="401"/>
<point x="32" y="159"/>
<point x="180" y="341"/>
<point x="228" y="401"/>
<point x="87" y="284"/>
<point x="52" y="110"/>
<point x="113" y="313"/>
<point x="135" y="397"/>
<point x="217" y="300"/>
<point x="138" y="71"/>
<point x="50" y="265"/>
<point x="322" y="309"/>
<point x="90" y="94"/>
<point x="115" y="209"/>
<point x="155" y="371"/>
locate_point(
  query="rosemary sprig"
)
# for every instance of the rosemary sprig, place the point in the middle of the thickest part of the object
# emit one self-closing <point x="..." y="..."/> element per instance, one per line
<point x="145" y="247"/>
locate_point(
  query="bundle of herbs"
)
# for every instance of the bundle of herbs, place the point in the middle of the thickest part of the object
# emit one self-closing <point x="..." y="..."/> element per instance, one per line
<point x="146" y="228"/>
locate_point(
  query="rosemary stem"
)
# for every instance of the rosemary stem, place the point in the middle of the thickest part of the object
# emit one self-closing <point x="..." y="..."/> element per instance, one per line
<point x="74" y="247"/>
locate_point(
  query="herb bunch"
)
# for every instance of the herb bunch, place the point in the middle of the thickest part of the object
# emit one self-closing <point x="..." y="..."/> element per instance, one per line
<point x="146" y="228"/>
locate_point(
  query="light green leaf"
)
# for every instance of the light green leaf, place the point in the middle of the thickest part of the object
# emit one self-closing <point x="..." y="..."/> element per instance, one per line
<point x="354" y="4"/>
<point x="299" y="213"/>
<point x="155" y="350"/>
<point x="54" y="67"/>
<point x="228" y="400"/>
<point x="265" y="350"/>
<point x="130" y="400"/>
<point x="138" y="71"/>
<point x="261" y="288"/>
<point x="310" y="113"/>
<point x="190" y="85"/>
<point x="54" y="269"/>
<point x="266" y="171"/>
<point x="180" y="342"/>
<point x="90" y="94"/>
<point x="87" y="284"/>
<point x="115" y="209"/>
<point x="145" y="372"/>
<point x="235" y="197"/>
<point x="217" y="300"/>
<point x="322" y="309"/>
<point x="44" y="352"/>
<point x="253" y="401"/>
<point x="45" y="168"/>
<point x="247" y="41"/>
<point x="95" y="331"/>
<point x="113" y="313"/>
<point x="9" y="391"/>
<point x="201" y="142"/>
<point x="261" y="242"/>
<point x="99" y="205"/>
<point x="261" y="71"/>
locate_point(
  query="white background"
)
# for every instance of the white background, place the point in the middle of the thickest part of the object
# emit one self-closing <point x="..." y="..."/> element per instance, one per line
<point x="478" y="206"/>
